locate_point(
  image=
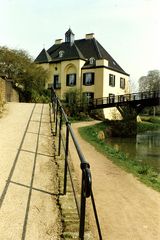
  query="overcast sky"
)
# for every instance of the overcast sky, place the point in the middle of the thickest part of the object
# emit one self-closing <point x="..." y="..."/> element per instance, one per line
<point x="128" y="29"/>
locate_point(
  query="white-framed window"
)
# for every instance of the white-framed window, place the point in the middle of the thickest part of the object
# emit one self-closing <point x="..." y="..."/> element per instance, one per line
<point x="122" y="83"/>
<point x="71" y="79"/>
<point x="88" y="78"/>
<point x="112" y="80"/>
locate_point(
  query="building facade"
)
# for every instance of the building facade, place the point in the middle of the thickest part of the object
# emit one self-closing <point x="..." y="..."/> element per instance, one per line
<point x="84" y="65"/>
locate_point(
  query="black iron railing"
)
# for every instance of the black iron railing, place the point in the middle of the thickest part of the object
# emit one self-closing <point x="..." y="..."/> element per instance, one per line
<point x="59" y="117"/>
<point x="115" y="100"/>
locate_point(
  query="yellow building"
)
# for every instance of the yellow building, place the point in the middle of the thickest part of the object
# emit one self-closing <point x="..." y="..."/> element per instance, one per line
<point x="84" y="65"/>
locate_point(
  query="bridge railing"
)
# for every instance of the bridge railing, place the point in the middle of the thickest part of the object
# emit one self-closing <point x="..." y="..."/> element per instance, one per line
<point x="124" y="98"/>
<point x="59" y="118"/>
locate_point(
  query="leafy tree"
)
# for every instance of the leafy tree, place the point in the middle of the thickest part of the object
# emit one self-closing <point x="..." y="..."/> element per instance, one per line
<point x="151" y="82"/>
<point x="27" y="77"/>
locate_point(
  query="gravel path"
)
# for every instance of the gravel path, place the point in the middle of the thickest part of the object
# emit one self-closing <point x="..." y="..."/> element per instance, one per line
<point x="28" y="209"/>
<point x="127" y="208"/>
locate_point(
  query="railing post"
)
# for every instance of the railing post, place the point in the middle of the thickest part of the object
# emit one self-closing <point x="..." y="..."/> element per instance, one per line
<point x="66" y="159"/>
<point x="56" y="117"/>
<point x="85" y="193"/>
<point x="54" y="111"/>
<point x="54" y="101"/>
<point x="96" y="216"/>
<point x="60" y="128"/>
<point x="83" y="209"/>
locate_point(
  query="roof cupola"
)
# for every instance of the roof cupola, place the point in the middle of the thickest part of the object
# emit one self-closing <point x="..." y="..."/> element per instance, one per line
<point x="69" y="36"/>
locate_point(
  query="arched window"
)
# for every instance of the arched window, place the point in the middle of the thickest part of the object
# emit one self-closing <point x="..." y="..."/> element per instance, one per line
<point x="70" y="72"/>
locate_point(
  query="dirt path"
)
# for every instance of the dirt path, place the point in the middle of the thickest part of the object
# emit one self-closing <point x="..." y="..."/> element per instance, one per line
<point x="127" y="208"/>
<point x="28" y="207"/>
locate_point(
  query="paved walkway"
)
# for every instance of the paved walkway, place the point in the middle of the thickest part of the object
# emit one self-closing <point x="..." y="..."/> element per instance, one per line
<point x="28" y="209"/>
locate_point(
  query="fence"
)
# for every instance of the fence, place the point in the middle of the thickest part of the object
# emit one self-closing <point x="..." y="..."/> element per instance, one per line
<point x="59" y="117"/>
<point x="114" y="100"/>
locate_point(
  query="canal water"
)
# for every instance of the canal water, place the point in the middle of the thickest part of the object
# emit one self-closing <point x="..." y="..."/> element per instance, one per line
<point x="145" y="147"/>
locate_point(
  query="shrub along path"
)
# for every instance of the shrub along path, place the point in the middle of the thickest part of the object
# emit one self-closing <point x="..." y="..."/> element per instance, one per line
<point x="127" y="208"/>
<point x="28" y="204"/>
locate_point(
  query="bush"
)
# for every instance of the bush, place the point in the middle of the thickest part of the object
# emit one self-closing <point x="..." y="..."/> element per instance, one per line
<point x="75" y="105"/>
<point x="40" y="98"/>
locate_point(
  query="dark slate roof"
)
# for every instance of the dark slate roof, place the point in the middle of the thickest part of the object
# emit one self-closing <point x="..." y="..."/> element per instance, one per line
<point x="43" y="57"/>
<point x="80" y="49"/>
<point x="70" y="52"/>
<point x="111" y="62"/>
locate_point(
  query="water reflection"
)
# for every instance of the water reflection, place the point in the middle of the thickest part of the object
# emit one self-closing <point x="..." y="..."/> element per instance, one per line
<point x="145" y="147"/>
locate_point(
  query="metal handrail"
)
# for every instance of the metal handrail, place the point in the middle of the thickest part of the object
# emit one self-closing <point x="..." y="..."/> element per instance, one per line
<point x="125" y="97"/>
<point x="86" y="185"/>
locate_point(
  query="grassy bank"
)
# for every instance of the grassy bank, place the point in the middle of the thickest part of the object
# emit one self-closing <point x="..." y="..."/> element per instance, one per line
<point x="148" y="123"/>
<point x="143" y="172"/>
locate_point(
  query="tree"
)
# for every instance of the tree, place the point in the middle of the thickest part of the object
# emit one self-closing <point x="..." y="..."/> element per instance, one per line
<point x="151" y="82"/>
<point x="27" y="77"/>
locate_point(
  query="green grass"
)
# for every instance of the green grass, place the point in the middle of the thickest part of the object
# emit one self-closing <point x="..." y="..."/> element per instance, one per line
<point x="151" y="119"/>
<point x="148" y="123"/>
<point x="146" y="126"/>
<point x="143" y="172"/>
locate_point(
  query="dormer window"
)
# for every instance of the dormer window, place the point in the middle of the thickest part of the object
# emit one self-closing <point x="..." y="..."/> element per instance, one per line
<point x="92" y="60"/>
<point x="61" y="53"/>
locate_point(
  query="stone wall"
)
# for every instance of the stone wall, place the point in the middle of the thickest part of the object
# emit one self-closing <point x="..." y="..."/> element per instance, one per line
<point x="11" y="94"/>
<point x="7" y="92"/>
<point x="2" y="93"/>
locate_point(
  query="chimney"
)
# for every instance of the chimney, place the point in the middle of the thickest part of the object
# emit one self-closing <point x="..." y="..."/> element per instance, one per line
<point x="89" y="35"/>
<point x="58" y="41"/>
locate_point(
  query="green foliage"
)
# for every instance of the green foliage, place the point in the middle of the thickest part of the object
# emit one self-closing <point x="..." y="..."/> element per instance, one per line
<point x="154" y="110"/>
<point x="150" y="119"/>
<point x="27" y="77"/>
<point x="148" y="123"/>
<point x="151" y="82"/>
<point x="97" y="114"/>
<point x="145" y="173"/>
<point x="122" y="128"/>
<point x="36" y="97"/>
<point x="75" y="105"/>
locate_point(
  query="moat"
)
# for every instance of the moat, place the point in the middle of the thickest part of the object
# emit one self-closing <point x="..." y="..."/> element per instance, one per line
<point x="145" y="147"/>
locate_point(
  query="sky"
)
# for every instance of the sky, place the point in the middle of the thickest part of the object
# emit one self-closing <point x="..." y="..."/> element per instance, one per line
<point x="128" y="29"/>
